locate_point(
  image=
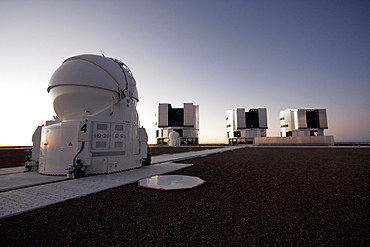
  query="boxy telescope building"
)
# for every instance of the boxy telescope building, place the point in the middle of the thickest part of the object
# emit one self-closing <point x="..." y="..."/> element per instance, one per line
<point x="300" y="127"/>
<point x="303" y="122"/>
<point x="178" y="126"/>
<point x="243" y="127"/>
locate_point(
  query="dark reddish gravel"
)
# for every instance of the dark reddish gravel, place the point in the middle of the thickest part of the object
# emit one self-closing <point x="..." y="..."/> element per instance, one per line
<point x="253" y="196"/>
<point x="13" y="157"/>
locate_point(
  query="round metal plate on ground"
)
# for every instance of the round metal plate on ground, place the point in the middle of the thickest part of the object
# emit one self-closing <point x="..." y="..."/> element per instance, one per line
<point x="170" y="182"/>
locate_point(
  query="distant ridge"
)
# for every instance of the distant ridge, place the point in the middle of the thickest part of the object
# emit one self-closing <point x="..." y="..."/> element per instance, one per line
<point x="352" y="143"/>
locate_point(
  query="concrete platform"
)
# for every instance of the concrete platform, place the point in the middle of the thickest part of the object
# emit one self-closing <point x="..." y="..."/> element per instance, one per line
<point x="12" y="170"/>
<point x="25" y="191"/>
<point x="24" y="179"/>
<point x="193" y="154"/>
<point x="30" y="198"/>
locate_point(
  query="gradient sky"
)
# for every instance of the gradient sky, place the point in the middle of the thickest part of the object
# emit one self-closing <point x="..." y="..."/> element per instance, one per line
<point x="216" y="54"/>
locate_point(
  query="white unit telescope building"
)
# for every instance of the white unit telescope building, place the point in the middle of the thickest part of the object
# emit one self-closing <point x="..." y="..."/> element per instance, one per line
<point x="178" y="126"/>
<point x="243" y="127"/>
<point x="303" y="122"/>
<point x="300" y="127"/>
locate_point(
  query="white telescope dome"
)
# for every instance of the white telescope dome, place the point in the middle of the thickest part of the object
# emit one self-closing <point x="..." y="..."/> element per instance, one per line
<point x="174" y="135"/>
<point x="88" y="84"/>
<point x="174" y="139"/>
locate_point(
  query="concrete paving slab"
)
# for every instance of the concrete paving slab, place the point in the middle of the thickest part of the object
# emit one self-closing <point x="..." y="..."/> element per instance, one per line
<point x="193" y="154"/>
<point x="11" y="170"/>
<point x="16" y="177"/>
<point x="22" y="200"/>
<point x="16" y="201"/>
<point x="23" y="179"/>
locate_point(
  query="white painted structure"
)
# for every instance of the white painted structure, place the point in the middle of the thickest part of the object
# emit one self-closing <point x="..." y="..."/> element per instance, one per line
<point x="295" y="141"/>
<point x="300" y="127"/>
<point x="303" y="122"/>
<point x="185" y="121"/>
<point x="243" y="127"/>
<point x="96" y="129"/>
<point x="174" y="139"/>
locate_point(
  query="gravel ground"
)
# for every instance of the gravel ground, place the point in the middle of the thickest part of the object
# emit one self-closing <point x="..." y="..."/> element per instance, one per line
<point x="253" y="196"/>
<point x="13" y="157"/>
